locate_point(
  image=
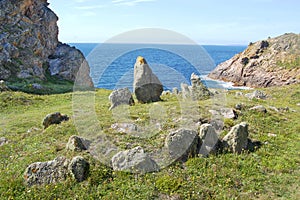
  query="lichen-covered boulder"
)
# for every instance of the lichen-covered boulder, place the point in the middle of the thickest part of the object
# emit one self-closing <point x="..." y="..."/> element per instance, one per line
<point x="134" y="160"/>
<point x="147" y="87"/>
<point x="41" y="173"/>
<point x="182" y="144"/>
<point x="54" y="118"/>
<point x="237" y="139"/>
<point x="119" y="97"/>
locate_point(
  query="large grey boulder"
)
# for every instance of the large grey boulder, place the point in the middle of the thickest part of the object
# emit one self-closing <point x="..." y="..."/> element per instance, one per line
<point x="119" y="97"/>
<point x="54" y="118"/>
<point x="237" y="139"/>
<point x="134" y="160"/>
<point x="209" y="139"/>
<point x="182" y="144"/>
<point x="147" y="87"/>
<point x="197" y="91"/>
<point x="57" y="170"/>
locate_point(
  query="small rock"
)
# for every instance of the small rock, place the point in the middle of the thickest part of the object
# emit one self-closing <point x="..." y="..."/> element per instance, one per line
<point x="3" y="141"/>
<point x="3" y="86"/>
<point x="209" y="139"/>
<point x="272" y="135"/>
<point x="228" y="113"/>
<point x="134" y="160"/>
<point x="257" y="94"/>
<point x="54" y="118"/>
<point x="166" y="93"/>
<point x="286" y="109"/>
<point x="273" y="108"/>
<point x="238" y="94"/>
<point x="119" y="97"/>
<point x="298" y="104"/>
<point x="124" y="127"/>
<point x="239" y="106"/>
<point x="76" y="143"/>
<point x="79" y="168"/>
<point x="197" y="91"/>
<point x="182" y="144"/>
<point x="147" y="87"/>
<point x="37" y="86"/>
<point x="175" y="91"/>
<point x="259" y="108"/>
<point x="237" y="139"/>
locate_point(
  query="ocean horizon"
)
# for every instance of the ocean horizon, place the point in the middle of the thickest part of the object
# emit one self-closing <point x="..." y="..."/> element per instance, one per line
<point x="112" y="64"/>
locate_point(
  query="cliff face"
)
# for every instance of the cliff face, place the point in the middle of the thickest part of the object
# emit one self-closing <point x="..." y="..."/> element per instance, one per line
<point x="28" y="38"/>
<point x="271" y="62"/>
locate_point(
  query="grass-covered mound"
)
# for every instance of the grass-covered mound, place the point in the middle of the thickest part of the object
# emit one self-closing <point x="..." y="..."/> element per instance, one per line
<point x="271" y="172"/>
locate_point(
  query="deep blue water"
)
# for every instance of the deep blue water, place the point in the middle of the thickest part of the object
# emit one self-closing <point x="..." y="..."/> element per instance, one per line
<point x="112" y="64"/>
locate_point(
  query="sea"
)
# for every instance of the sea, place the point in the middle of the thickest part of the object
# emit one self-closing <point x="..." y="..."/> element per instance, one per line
<point x="112" y="65"/>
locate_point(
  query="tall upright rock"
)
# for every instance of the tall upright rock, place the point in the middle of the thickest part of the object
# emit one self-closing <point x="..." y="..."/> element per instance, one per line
<point x="271" y="62"/>
<point x="29" y="37"/>
<point x="147" y="87"/>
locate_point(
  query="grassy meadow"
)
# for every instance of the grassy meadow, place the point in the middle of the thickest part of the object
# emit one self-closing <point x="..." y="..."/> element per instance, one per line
<point x="270" y="172"/>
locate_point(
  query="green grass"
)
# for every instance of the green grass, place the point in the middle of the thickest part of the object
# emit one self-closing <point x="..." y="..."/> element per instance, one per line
<point x="270" y="172"/>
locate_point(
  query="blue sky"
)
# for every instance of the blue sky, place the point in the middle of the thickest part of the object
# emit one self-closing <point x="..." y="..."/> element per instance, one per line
<point x="204" y="21"/>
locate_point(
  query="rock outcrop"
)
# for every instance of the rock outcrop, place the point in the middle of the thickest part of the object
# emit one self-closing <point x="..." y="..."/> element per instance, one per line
<point x="29" y="37"/>
<point x="271" y="62"/>
<point x="147" y="87"/>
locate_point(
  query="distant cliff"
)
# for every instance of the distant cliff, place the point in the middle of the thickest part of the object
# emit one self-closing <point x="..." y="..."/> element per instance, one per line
<point x="29" y="46"/>
<point x="271" y="62"/>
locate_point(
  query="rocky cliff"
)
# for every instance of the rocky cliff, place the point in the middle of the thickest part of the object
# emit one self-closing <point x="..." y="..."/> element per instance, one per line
<point x="29" y="46"/>
<point x="271" y="62"/>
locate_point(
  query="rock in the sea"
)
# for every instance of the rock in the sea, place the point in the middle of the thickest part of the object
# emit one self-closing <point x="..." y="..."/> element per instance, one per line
<point x="259" y="108"/>
<point x="124" y="127"/>
<point x="237" y="139"/>
<point x="182" y="144"/>
<point x="76" y="143"/>
<point x="41" y="173"/>
<point x="147" y="87"/>
<point x="79" y="168"/>
<point x="54" y="118"/>
<point x="266" y="63"/>
<point x="209" y="139"/>
<point x="134" y="160"/>
<point x="3" y="141"/>
<point x="119" y="97"/>
<point x="197" y="91"/>
<point x="257" y="94"/>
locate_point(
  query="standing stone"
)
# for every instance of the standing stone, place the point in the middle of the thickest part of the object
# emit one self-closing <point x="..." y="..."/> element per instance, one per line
<point x="79" y="168"/>
<point x="54" y="118"/>
<point x="209" y="139"/>
<point x="237" y="139"/>
<point x="119" y="97"/>
<point x="147" y="87"/>
<point x="182" y="144"/>
<point x="134" y="160"/>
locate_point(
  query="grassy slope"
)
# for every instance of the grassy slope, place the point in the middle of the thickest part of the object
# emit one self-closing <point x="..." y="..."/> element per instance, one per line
<point x="271" y="172"/>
